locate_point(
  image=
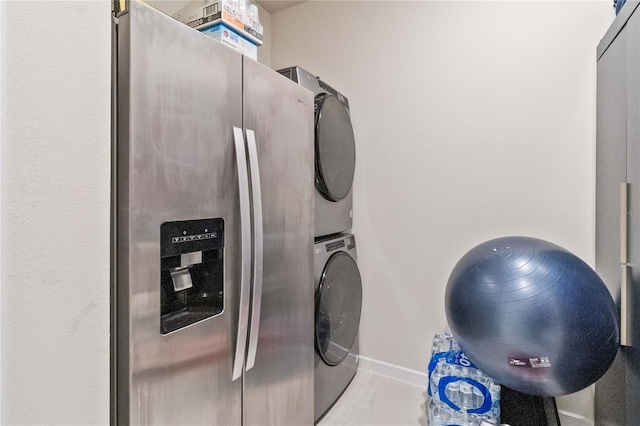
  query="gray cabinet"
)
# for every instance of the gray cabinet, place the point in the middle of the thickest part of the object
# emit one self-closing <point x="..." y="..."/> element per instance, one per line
<point x="618" y="209"/>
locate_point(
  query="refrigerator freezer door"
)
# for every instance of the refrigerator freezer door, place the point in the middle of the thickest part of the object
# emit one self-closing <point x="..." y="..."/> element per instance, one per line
<point x="178" y="99"/>
<point x="279" y="387"/>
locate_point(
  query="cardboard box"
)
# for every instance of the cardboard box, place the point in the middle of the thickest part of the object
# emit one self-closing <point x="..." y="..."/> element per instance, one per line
<point x="230" y="38"/>
<point x="201" y="14"/>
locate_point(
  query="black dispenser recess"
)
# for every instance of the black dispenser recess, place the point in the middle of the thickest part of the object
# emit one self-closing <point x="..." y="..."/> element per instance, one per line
<point x="191" y="272"/>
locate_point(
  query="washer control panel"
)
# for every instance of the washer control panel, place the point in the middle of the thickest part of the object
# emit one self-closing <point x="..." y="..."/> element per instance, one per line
<point x="348" y="242"/>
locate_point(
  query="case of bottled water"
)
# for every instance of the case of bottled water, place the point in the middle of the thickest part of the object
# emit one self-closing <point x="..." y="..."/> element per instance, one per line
<point x="460" y="394"/>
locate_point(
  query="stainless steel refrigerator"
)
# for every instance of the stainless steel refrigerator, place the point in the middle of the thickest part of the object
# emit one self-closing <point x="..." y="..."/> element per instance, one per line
<point x="212" y="238"/>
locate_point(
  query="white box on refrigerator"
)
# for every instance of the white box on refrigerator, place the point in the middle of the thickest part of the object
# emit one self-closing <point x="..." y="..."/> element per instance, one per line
<point x="201" y="14"/>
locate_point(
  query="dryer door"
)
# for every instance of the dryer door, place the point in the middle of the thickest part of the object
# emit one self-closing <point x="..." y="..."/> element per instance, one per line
<point x="338" y="306"/>
<point x="335" y="148"/>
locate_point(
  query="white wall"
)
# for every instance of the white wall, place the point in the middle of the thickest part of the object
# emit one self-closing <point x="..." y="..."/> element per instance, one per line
<point x="264" y="51"/>
<point x="55" y="212"/>
<point x="473" y="120"/>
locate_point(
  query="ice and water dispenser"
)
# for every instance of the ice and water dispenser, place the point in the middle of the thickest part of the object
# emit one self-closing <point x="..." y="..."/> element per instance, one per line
<point x="191" y="276"/>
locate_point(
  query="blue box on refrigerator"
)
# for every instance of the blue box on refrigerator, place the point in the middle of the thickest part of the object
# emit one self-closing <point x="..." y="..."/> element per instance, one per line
<point x="232" y="39"/>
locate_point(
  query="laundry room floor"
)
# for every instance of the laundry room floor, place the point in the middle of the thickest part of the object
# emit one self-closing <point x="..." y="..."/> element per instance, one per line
<point x="374" y="399"/>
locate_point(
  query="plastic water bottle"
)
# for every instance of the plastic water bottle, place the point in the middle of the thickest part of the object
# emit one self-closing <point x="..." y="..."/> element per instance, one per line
<point x="453" y="388"/>
<point x="233" y="6"/>
<point x="476" y="393"/>
<point x="494" y="390"/>
<point x="476" y="420"/>
<point x="438" y="373"/>
<point x="478" y="397"/>
<point x="466" y="396"/>
<point x="437" y="414"/>
<point x="455" y="418"/>
<point x="252" y="13"/>
<point x="436" y="344"/>
<point x="436" y="347"/>
<point x="453" y="392"/>
<point x="453" y="345"/>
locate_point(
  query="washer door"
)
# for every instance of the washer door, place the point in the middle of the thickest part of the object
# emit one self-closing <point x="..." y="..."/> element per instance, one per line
<point x="338" y="306"/>
<point x="335" y="148"/>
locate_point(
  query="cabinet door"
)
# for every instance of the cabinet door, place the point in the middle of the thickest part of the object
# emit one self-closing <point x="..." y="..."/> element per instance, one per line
<point x="631" y="353"/>
<point x="611" y="162"/>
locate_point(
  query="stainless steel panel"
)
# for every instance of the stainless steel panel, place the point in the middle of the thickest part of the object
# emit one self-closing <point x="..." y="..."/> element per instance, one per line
<point x="632" y="384"/>
<point x="119" y="403"/>
<point x="630" y="316"/>
<point x="258" y="249"/>
<point x="611" y="154"/>
<point x="245" y="241"/>
<point x="333" y="217"/>
<point x="610" y="394"/>
<point x="630" y="292"/>
<point x="617" y="26"/>
<point x="332" y="381"/>
<point x="279" y="388"/>
<point x="179" y="97"/>
<point x="610" y="163"/>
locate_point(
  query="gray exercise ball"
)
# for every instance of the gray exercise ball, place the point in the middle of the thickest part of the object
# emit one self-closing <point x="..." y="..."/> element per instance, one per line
<point x="532" y="316"/>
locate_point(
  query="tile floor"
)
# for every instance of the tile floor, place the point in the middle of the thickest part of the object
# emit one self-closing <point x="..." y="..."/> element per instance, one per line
<point x="373" y="399"/>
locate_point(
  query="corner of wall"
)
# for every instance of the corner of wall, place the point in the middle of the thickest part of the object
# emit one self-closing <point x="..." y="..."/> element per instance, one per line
<point x="264" y="51"/>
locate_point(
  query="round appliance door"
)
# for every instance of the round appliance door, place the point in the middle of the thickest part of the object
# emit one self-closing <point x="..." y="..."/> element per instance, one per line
<point x="338" y="306"/>
<point x="335" y="148"/>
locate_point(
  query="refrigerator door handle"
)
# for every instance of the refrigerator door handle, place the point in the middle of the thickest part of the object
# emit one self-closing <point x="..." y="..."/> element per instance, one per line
<point x="245" y="236"/>
<point x="258" y="237"/>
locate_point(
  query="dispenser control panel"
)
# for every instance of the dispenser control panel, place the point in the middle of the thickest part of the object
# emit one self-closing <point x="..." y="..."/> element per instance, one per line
<point x="191" y="235"/>
<point x="191" y="272"/>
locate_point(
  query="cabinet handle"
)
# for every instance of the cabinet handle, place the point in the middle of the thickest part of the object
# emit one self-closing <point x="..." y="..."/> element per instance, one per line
<point x="624" y="205"/>
<point x="625" y="340"/>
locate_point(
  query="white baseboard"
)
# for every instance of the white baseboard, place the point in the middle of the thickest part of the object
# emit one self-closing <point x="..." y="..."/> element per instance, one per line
<point x="416" y="378"/>
<point x="572" y="419"/>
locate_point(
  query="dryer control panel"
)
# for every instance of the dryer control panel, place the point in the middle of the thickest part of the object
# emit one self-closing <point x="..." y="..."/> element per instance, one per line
<point x="336" y="245"/>
<point x="349" y="243"/>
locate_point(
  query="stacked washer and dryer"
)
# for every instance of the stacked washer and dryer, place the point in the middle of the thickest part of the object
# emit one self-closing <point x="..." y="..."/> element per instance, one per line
<point x="338" y="283"/>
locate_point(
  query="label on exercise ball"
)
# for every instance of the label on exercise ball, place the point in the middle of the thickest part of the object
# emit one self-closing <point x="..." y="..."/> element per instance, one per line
<point x="541" y="362"/>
